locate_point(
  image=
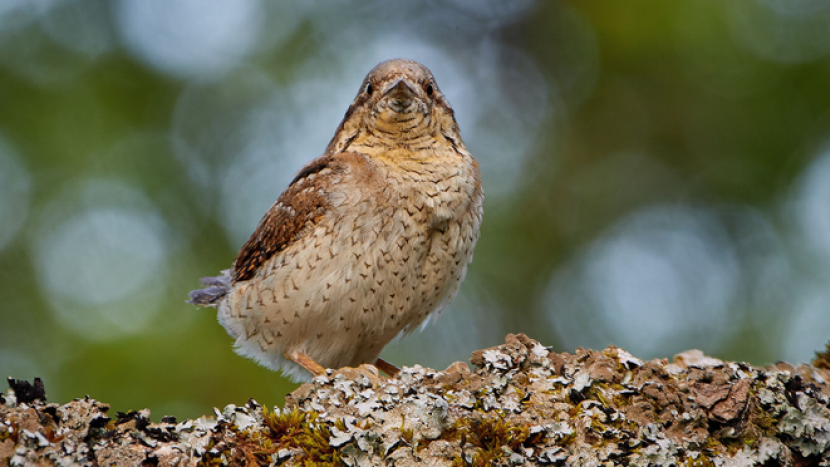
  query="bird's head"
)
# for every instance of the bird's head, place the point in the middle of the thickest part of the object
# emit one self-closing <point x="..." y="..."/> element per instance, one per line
<point x="399" y="103"/>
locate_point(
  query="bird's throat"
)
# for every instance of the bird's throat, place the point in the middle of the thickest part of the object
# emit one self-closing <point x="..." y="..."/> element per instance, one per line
<point x="393" y="128"/>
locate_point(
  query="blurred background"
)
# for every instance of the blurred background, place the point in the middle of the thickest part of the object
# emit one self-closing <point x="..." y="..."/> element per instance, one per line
<point x="657" y="176"/>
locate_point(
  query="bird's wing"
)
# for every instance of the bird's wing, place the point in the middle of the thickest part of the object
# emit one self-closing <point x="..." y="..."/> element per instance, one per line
<point x="298" y="208"/>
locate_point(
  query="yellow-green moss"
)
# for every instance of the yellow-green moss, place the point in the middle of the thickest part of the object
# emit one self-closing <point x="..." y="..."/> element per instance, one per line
<point x="294" y="430"/>
<point x="487" y="435"/>
<point x="596" y="394"/>
<point x="13" y="432"/>
<point x="701" y="461"/>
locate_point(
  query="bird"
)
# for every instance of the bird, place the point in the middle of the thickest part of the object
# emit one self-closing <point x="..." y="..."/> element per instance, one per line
<point x="369" y="240"/>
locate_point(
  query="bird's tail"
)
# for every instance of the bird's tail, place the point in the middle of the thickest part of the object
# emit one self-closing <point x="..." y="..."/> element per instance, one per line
<point x="217" y="287"/>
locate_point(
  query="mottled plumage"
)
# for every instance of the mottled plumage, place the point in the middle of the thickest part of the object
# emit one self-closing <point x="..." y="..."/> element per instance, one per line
<point x="367" y="242"/>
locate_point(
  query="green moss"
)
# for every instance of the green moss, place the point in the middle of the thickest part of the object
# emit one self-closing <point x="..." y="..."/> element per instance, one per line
<point x="487" y="435"/>
<point x="596" y="394"/>
<point x="407" y="435"/>
<point x="597" y="426"/>
<point x="765" y="422"/>
<point x="733" y="445"/>
<point x="294" y="430"/>
<point x="13" y="433"/>
<point x="622" y="400"/>
<point x="700" y="461"/>
<point x="521" y="379"/>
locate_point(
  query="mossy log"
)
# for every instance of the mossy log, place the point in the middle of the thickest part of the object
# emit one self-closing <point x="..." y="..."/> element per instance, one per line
<point x="523" y="405"/>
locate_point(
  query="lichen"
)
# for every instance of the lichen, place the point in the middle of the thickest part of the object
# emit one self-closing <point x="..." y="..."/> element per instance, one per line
<point x="522" y="405"/>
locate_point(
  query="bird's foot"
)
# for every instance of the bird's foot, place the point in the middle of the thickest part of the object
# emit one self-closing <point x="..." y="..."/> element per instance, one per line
<point x="306" y="362"/>
<point x="387" y="367"/>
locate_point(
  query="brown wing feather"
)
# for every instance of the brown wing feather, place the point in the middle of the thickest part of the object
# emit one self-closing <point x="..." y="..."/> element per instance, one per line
<point x="297" y="208"/>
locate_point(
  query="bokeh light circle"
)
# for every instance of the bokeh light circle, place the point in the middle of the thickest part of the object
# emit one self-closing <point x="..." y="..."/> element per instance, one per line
<point x="662" y="278"/>
<point x="102" y="267"/>
<point x="189" y="38"/>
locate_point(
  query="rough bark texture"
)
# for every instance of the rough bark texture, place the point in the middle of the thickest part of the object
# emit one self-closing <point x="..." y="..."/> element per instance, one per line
<point x="524" y="405"/>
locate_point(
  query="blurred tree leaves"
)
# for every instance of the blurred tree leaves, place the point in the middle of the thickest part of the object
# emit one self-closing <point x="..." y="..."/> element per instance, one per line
<point x="643" y="104"/>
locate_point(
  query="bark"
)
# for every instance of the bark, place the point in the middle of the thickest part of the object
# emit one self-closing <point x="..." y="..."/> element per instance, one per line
<point x="523" y="405"/>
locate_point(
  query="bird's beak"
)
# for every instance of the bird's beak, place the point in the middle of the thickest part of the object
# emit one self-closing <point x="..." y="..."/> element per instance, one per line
<point x="401" y="89"/>
<point x="400" y="95"/>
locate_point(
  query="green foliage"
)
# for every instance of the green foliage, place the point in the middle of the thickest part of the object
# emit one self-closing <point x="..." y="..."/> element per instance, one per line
<point x="647" y="105"/>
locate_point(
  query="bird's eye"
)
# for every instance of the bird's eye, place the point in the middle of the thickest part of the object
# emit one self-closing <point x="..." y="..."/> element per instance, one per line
<point x="370" y="89"/>
<point x="429" y="90"/>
